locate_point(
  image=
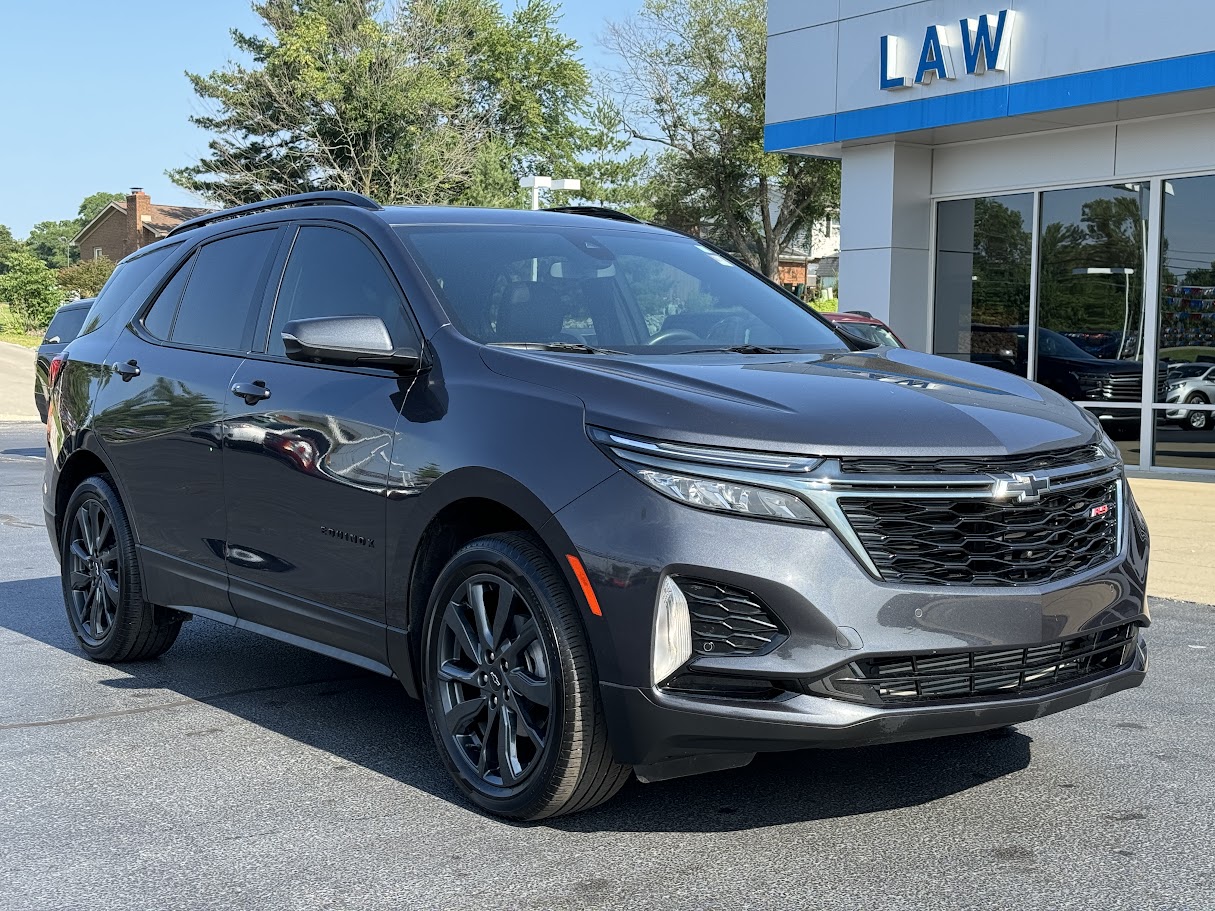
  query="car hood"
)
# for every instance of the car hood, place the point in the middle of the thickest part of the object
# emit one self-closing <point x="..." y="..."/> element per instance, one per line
<point x="885" y="401"/>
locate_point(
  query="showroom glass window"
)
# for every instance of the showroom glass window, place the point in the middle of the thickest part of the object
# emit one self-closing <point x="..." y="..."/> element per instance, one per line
<point x="1093" y="247"/>
<point x="984" y="250"/>
<point x="1185" y="433"/>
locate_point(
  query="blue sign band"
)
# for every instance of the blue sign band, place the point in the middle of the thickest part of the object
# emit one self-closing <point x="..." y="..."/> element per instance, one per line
<point x="1137" y="80"/>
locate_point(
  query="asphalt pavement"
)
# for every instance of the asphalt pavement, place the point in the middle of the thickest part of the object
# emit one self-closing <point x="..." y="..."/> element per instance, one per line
<point x="237" y="772"/>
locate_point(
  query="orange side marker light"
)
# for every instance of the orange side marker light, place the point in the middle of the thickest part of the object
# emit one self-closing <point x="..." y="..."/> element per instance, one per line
<point x="580" y="574"/>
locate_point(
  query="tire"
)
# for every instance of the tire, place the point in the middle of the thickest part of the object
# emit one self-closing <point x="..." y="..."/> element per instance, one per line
<point x="486" y="677"/>
<point x="102" y="589"/>
<point x="1197" y="420"/>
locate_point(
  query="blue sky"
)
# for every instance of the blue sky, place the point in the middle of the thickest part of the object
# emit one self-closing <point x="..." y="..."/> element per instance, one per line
<point x="96" y="97"/>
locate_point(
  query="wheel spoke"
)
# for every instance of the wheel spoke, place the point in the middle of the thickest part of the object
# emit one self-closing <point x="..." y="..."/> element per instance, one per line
<point x="508" y="759"/>
<point x="78" y="551"/>
<point x="526" y="686"/>
<point x="82" y="526"/>
<point x="96" y="607"/>
<point x="110" y="587"/>
<point x="80" y="581"/>
<point x="460" y="716"/>
<point x="476" y="599"/>
<point x="528" y="727"/>
<point x="94" y="520"/>
<point x="452" y="672"/>
<point x="506" y="595"/>
<point x="104" y="529"/>
<point x="465" y="637"/>
<point x="526" y="637"/>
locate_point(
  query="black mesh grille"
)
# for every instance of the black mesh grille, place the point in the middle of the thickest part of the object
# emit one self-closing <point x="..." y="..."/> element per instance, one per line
<point x="728" y="621"/>
<point x="1040" y="461"/>
<point x="982" y="674"/>
<point x="987" y="542"/>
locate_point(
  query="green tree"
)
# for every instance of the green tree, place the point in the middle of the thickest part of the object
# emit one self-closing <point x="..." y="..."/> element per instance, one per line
<point x="85" y="277"/>
<point x="51" y="242"/>
<point x="92" y="205"/>
<point x="8" y="246"/>
<point x="29" y="288"/>
<point x="692" y="82"/>
<point x="434" y="101"/>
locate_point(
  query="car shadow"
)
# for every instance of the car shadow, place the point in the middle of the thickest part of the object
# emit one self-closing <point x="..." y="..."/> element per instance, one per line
<point x="368" y="720"/>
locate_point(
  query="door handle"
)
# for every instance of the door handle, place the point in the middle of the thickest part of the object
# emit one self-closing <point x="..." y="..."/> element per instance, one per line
<point x="252" y="393"/>
<point x="127" y="371"/>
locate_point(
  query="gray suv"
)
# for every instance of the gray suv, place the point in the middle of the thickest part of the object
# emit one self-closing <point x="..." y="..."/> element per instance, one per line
<point x="605" y="500"/>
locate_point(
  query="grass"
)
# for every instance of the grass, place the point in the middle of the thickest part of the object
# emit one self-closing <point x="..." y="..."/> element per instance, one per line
<point x="12" y="330"/>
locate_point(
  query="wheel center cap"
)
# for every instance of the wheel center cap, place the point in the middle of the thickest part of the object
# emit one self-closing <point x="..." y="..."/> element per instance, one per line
<point x="494" y="680"/>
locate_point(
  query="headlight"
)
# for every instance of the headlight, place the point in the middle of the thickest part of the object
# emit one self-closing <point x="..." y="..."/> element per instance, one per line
<point x="723" y="480"/>
<point x="1107" y="446"/>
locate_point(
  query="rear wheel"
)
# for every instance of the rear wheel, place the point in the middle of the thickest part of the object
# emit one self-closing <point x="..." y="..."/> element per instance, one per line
<point x="102" y="589"/>
<point x="509" y="685"/>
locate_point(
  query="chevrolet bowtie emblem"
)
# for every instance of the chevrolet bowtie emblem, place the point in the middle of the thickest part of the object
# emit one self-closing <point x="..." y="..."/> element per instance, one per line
<point x="1020" y="488"/>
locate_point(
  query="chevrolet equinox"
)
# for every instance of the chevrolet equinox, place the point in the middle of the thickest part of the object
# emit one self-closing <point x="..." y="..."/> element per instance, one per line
<point x="604" y="499"/>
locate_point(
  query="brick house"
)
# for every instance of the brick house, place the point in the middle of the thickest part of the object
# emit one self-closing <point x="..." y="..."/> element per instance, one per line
<point x="121" y="228"/>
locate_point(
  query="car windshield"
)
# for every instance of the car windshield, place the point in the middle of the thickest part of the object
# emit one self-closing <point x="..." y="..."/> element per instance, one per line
<point x="628" y="292"/>
<point x="1186" y="371"/>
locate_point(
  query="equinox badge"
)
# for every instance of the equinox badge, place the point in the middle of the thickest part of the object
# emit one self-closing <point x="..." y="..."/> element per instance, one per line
<point x="1020" y="488"/>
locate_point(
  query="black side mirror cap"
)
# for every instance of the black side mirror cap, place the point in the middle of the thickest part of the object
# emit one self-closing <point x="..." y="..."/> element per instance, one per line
<point x="354" y="341"/>
<point x="855" y="341"/>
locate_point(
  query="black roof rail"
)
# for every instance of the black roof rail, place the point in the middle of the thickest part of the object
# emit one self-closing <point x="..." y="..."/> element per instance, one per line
<point x="322" y="198"/>
<point x="597" y="212"/>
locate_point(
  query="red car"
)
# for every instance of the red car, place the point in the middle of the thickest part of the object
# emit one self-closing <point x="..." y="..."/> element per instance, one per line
<point x="862" y="325"/>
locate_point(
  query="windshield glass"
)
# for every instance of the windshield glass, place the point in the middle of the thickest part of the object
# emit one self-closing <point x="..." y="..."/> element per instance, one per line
<point x="1184" y="371"/>
<point x="627" y="291"/>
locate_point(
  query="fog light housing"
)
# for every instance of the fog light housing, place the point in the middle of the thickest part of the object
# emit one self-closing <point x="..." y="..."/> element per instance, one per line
<point x="672" y="647"/>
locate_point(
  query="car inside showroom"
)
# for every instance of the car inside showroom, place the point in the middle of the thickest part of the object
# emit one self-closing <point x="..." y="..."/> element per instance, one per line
<point x="1029" y="186"/>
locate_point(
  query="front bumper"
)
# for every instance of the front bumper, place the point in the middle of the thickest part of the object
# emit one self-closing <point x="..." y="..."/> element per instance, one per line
<point x="656" y="727"/>
<point x="834" y="612"/>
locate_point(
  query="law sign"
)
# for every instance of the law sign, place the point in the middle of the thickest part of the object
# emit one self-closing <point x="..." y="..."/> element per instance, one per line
<point x="984" y="44"/>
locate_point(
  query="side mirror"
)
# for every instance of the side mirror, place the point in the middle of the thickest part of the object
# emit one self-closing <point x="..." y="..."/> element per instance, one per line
<point x="857" y="342"/>
<point x="355" y="341"/>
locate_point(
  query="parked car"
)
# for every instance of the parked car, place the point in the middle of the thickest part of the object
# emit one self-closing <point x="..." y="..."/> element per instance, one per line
<point x="864" y="326"/>
<point x="1190" y="384"/>
<point x="63" y="328"/>
<point x="371" y="432"/>
<point x="1070" y="371"/>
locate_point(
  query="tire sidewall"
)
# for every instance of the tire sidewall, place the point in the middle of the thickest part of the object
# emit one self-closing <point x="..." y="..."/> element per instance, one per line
<point x="98" y="489"/>
<point x="499" y="558"/>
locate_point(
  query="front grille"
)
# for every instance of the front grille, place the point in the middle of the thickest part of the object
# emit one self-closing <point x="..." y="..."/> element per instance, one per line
<point x="961" y="541"/>
<point x="1121" y="387"/>
<point x="728" y="621"/>
<point x="991" y="674"/>
<point x="1038" y="461"/>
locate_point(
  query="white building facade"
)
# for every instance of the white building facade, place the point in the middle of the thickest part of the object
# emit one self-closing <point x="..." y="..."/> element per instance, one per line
<point x="1028" y="184"/>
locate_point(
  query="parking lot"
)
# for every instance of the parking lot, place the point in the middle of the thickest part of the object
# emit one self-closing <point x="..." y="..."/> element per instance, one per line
<point x="239" y="772"/>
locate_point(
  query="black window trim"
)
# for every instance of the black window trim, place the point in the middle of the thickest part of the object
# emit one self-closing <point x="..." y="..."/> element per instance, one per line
<point x="261" y="340"/>
<point x="136" y="324"/>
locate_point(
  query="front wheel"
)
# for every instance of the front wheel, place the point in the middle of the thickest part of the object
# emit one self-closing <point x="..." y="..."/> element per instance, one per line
<point x="102" y="589"/>
<point x="1197" y="420"/>
<point x="509" y="685"/>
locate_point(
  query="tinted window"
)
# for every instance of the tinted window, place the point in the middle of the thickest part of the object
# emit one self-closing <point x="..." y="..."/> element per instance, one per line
<point x="127" y="279"/>
<point x="159" y="319"/>
<point x="215" y="310"/>
<point x="65" y="325"/>
<point x="631" y="291"/>
<point x="333" y="273"/>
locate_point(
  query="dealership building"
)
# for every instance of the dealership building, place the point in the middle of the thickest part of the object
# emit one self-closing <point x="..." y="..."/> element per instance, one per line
<point x="1029" y="185"/>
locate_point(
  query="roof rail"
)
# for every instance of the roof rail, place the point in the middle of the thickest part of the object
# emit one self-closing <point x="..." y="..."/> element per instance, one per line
<point x="597" y="212"/>
<point x="323" y="198"/>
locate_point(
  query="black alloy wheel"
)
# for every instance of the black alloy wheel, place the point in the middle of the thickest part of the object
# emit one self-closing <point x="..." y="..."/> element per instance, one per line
<point x="92" y="555"/>
<point x="495" y="689"/>
<point x="102" y="588"/>
<point x="509" y="684"/>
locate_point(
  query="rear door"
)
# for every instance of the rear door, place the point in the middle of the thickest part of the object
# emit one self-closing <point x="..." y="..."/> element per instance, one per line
<point x="161" y="414"/>
<point x="307" y="455"/>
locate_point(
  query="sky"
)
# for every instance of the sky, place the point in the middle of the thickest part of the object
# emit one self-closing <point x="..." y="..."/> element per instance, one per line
<point x="96" y="98"/>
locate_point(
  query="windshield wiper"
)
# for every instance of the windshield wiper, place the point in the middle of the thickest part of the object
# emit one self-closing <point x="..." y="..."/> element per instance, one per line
<point x="743" y="349"/>
<point x="572" y="347"/>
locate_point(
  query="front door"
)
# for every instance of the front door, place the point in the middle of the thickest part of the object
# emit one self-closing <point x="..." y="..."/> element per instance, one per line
<point x="306" y="455"/>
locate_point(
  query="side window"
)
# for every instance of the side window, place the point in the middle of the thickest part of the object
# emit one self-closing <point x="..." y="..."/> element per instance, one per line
<point x="123" y="284"/>
<point x="159" y="319"/>
<point x="220" y="293"/>
<point x="333" y="273"/>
